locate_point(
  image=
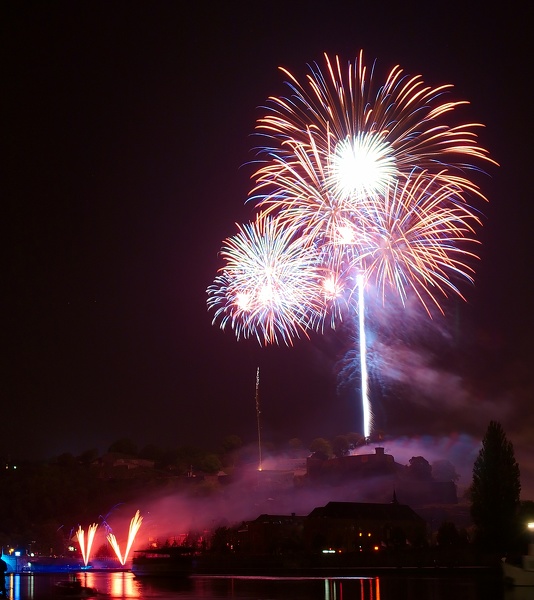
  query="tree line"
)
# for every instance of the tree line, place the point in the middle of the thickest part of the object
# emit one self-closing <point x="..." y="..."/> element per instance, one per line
<point x="42" y="499"/>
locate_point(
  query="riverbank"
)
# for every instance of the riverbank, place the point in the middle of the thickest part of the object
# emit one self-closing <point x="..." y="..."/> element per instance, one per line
<point x="404" y="563"/>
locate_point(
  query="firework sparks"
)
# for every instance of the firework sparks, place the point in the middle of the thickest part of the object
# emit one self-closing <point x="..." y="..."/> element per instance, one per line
<point x="417" y="239"/>
<point x="358" y="184"/>
<point x="269" y="285"/>
<point x="135" y="524"/>
<point x="369" y="139"/>
<point x="86" y="549"/>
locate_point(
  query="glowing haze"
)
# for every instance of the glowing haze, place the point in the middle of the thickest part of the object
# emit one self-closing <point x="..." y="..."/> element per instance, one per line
<point x="361" y="187"/>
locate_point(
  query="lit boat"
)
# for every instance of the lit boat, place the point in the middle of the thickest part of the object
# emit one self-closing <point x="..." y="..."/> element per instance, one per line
<point x="168" y="561"/>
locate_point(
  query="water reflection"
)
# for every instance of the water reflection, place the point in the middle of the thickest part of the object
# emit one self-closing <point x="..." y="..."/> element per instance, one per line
<point x="285" y="588"/>
<point x="124" y="586"/>
<point x="369" y="589"/>
<point x="120" y="584"/>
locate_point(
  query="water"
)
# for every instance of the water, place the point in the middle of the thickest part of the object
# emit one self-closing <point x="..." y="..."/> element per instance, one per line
<point x="123" y="585"/>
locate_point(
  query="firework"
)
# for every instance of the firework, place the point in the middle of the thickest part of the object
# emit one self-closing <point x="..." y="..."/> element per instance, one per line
<point x="359" y="186"/>
<point x="135" y="524"/>
<point x="417" y="239"/>
<point x="86" y="549"/>
<point x="269" y="285"/>
<point x="367" y="139"/>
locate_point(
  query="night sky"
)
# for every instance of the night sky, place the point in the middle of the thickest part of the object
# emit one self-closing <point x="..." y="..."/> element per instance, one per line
<point x="127" y="130"/>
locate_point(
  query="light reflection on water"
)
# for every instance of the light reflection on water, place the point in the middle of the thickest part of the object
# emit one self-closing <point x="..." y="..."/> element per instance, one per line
<point x="123" y="585"/>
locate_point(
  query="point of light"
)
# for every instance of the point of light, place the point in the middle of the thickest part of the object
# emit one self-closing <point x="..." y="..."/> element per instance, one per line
<point x="243" y="301"/>
<point x="346" y="235"/>
<point x="331" y="287"/>
<point x="362" y="165"/>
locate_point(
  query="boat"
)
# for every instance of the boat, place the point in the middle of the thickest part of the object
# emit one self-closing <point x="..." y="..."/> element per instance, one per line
<point x="166" y="561"/>
<point x="519" y="575"/>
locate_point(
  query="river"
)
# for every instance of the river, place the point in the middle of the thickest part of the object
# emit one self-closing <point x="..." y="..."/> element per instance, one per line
<point x="123" y="585"/>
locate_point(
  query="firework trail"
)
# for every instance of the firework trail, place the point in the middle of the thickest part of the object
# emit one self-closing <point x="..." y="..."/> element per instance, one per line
<point x="366" y="404"/>
<point x="364" y="184"/>
<point x="86" y="549"/>
<point x="135" y="524"/>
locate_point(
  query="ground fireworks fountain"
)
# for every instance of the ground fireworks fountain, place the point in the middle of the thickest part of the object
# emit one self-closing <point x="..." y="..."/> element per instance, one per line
<point x="85" y="549"/>
<point x="135" y="524"/>
<point x="360" y="190"/>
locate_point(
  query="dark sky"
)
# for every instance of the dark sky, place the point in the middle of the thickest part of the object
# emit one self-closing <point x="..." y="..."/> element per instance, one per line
<point x="127" y="132"/>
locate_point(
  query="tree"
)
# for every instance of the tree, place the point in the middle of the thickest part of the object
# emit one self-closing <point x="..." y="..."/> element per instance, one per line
<point x="124" y="446"/>
<point x="321" y="448"/>
<point x="448" y="535"/>
<point x="495" y="491"/>
<point x="444" y="470"/>
<point x="355" y="439"/>
<point x="231" y="448"/>
<point x="88" y="456"/>
<point x="419" y="468"/>
<point x="152" y="452"/>
<point x="231" y="443"/>
<point x="340" y="446"/>
<point x="295" y="446"/>
<point x="210" y="464"/>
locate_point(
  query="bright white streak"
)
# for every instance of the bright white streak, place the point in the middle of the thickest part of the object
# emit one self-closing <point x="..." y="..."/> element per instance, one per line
<point x="115" y="545"/>
<point x="86" y="550"/>
<point x="135" y="524"/>
<point x="366" y="406"/>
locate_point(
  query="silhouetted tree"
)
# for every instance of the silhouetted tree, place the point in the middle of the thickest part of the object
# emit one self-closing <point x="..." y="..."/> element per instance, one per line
<point x="321" y="448"/>
<point x="124" y="446"/>
<point x="152" y="452"/>
<point x="210" y="464"/>
<point x="88" y="456"/>
<point x="231" y="450"/>
<point x="340" y="445"/>
<point x="419" y="468"/>
<point x="295" y="446"/>
<point x="495" y="491"/>
<point x="355" y="439"/>
<point x="444" y="470"/>
<point x="189" y="457"/>
<point x="448" y="535"/>
<point x="66" y="460"/>
<point x="231" y="443"/>
<point x="221" y="540"/>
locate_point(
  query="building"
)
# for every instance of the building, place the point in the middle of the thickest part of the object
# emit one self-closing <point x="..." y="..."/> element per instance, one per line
<point x="413" y="488"/>
<point x="363" y="526"/>
<point x="339" y="527"/>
